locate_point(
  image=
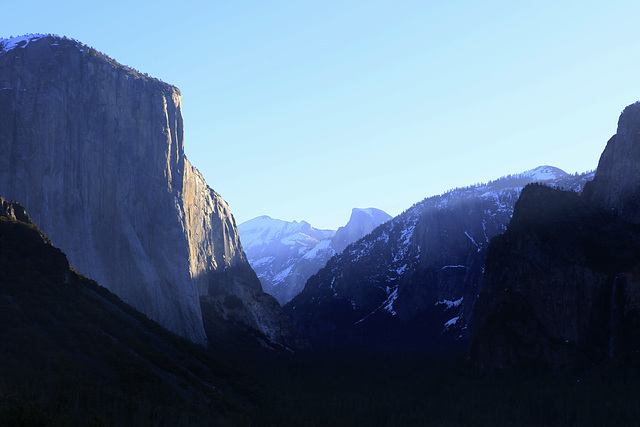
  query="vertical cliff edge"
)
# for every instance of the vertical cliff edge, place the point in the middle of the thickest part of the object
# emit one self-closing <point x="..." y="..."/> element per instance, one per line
<point x="94" y="151"/>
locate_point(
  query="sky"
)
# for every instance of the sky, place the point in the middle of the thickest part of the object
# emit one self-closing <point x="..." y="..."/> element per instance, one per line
<point x="303" y="110"/>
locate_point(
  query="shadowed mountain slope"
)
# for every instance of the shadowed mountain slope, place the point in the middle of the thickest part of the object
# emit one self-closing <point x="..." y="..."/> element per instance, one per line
<point x="412" y="283"/>
<point x="562" y="286"/>
<point x="72" y="353"/>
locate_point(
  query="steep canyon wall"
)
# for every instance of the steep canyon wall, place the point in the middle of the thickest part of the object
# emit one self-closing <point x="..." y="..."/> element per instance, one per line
<point x="94" y="151"/>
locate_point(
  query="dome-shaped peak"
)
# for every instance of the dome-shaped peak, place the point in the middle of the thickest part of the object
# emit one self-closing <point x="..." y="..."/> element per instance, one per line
<point x="377" y="215"/>
<point x="543" y="173"/>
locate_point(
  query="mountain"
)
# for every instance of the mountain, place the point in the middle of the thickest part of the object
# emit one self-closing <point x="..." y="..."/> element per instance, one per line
<point x="412" y="283"/>
<point x="94" y="151"/>
<point x="617" y="181"/>
<point x="285" y="254"/>
<point x="562" y="285"/>
<point x="73" y="353"/>
<point x="361" y="223"/>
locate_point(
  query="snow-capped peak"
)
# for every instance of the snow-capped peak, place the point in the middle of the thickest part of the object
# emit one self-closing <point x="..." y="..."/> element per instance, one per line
<point x="264" y="229"/>
<point x="285" y="254"/>
<point x="544" y="173"/>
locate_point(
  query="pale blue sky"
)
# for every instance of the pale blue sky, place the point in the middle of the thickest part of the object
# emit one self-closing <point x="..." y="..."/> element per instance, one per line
<point x="301" y="110"/>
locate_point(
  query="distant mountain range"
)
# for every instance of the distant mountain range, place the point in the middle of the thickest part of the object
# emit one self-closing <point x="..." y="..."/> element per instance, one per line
<point x="414" y="280"/>
<point x="285" y="254"/>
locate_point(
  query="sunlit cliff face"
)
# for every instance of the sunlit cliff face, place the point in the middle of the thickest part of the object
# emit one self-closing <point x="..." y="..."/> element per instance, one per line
<point x="95" y="153"/>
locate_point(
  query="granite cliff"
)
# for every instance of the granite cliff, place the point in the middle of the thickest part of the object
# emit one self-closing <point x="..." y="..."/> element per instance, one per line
<point x="361" y="222"/>
<point x="94" y="151"/>
<point x="561" y="287"/>
<point x="616" y="185"/>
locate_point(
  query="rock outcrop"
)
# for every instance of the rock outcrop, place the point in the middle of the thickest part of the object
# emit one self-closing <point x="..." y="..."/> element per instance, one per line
<point x="361" y="222"/>
<point x="616" y="184"/>
<point x="94" y="150"/>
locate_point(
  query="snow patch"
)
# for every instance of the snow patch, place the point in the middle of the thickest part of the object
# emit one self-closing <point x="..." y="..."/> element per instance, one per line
<point x="13" y="42"/>
<point x="544" y="173"/>
<point x="473" y="241"/>
<point x="298" y="238"/>
<point x="484" y="230"/>
<point x="323" y="245"/>
<point x="388" y="304"/>
<point x="282" y="275"/>
<point x="335" y="293"/>
<point x="451" y="322"/>
<point x="450" y="303"/>
<point x="262" y="261"/>
<point x="406" y="235"/>
<point x="402" y="269"/>
<point x="264" y="230"/>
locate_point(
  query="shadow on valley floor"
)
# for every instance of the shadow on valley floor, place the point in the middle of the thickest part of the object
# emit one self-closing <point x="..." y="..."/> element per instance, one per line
<point x="418" y="390"/>
<point x="73" y="354"/>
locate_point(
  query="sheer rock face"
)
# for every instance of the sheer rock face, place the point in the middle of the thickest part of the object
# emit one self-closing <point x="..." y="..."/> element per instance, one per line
<point x="94" y="151"/>
<point x="616" y="185"/>
<point x="361" y="223"/>
<point x="561" y="288"/>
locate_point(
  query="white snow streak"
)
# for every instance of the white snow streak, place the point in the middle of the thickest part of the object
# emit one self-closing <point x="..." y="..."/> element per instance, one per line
<point x="450" y="303"/>
<point x="12" y="43"/>
<point x="451" y="322"/>
<point x="473" y="241"/>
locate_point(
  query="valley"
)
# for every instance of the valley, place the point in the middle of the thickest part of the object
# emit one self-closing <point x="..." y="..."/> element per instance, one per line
<point x="130" y="296"/>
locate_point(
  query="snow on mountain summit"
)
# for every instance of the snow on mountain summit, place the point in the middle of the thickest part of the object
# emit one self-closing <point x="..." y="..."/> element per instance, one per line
<point x="19" y="41"/>
<point x="414" y="279"/>
<point x="284" y="254"/>
<point x="264" y="229"/>
<point x="544" y="173"/>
